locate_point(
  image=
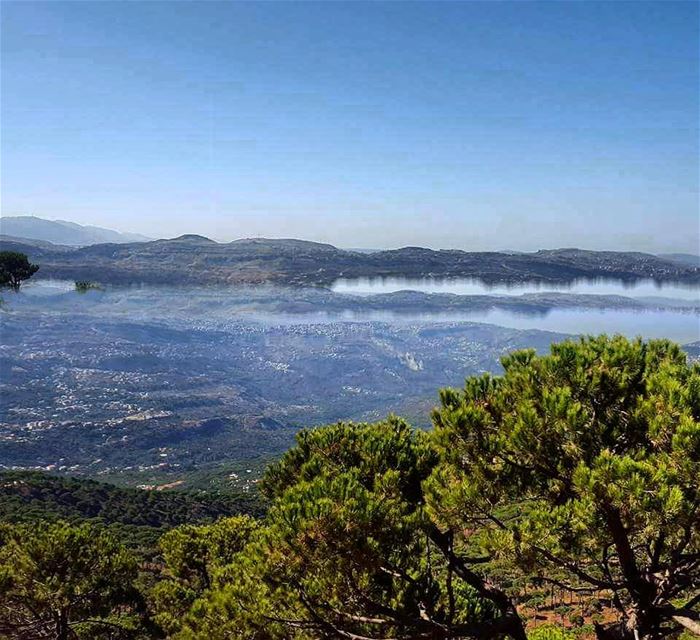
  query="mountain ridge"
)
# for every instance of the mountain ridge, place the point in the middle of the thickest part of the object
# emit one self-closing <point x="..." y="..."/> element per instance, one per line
<point x="194" y="259"/>
<point x="63" y="231"/>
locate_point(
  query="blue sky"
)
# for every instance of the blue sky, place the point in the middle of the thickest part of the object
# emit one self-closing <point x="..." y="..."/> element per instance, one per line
<point x="477" y="125"/>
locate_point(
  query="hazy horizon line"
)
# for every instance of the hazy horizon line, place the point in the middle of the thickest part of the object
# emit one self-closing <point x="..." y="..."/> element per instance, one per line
<point x="220" y="240"/>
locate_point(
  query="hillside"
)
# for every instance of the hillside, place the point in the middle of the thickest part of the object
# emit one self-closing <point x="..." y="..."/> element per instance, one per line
<point x="192" y="259"/>
<point x="62" y="231"/>
<point x="31" y="496"/>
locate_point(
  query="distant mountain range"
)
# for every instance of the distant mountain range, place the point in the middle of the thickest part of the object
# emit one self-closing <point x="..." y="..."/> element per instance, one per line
<point x="193" y="259"/>
<point x="682" y="258"/>
<point x="63" y="232"/>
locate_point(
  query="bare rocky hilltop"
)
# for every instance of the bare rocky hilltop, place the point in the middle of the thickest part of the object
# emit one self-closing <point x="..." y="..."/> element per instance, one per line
<point x="192" y="259"/>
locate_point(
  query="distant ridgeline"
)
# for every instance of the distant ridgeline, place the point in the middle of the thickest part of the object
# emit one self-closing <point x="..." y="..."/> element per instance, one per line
<point x="192" y="259"/>
<point x="62" y="232"/>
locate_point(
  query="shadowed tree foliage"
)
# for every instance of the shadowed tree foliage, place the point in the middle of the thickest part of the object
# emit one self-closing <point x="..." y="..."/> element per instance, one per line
<point x="15" y="268"/>
<point x="83" y="286"/>
<point x="582" y="467"/>
<point x="63" y="581"/>
<point x="29" y="495"/>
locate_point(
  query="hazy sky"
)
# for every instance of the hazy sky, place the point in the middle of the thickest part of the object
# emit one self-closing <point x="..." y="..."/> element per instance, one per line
<point x="471" y="125"/>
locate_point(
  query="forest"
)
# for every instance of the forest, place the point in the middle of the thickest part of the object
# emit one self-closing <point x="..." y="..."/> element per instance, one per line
<point x="557" y="500"/>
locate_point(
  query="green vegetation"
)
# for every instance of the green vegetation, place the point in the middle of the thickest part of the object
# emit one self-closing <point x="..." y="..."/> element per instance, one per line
<point x="62" y="581"/>
<point x="139" y="517"/>
<point x="83" y="286"/>
<point x="192" y="557"/>
<point x="582" y="467"/>
<point x="15" y="268"/>
<point x="239" y="476"/>
<point x="556" y="501"/>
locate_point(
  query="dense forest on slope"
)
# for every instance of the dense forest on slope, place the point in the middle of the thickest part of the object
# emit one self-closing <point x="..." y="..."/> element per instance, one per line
<point x="27" y="497"/>
<point x="563" y="491"/>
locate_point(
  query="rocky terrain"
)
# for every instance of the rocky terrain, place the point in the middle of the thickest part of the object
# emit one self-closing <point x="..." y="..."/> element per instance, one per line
<point x="197" y="260"/>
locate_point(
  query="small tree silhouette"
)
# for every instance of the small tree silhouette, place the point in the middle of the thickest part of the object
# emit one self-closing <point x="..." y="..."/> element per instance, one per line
<point x="14" y="268"/>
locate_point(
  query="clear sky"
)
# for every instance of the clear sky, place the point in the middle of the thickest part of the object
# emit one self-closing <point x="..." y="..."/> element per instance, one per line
<point x="478" y="125"/>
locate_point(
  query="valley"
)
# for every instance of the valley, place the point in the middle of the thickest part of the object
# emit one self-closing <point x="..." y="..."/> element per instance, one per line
<point x="193" y="387"/>
<point x="149" y="400"/>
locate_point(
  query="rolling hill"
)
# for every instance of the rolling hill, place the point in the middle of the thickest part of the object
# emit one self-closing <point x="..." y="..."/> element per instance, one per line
<point x="192" y="259"/>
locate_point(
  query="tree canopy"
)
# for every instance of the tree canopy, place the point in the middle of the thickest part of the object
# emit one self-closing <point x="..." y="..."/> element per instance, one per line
<point x="582" y="466"/>
<point x="65" y="581"/>
<point x="347" y="550"/>
<point x="15" y="268"/>
<point x="192" y="556"/>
